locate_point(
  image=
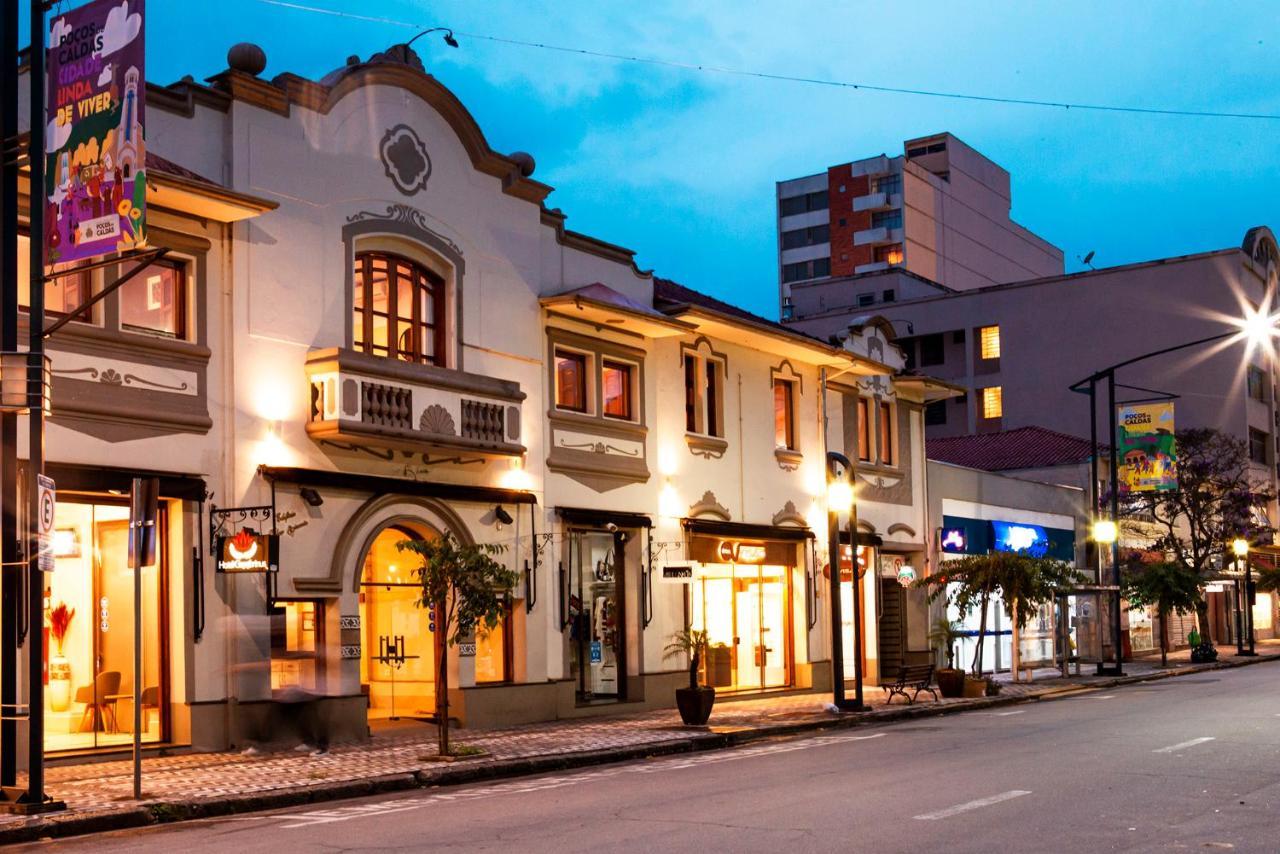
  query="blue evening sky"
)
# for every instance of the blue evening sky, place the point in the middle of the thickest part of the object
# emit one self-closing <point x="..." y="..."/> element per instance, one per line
<point x="680" y="166"/>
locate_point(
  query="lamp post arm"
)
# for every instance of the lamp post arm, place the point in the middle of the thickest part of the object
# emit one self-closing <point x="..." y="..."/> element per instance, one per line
<point x="1097" y="375"/>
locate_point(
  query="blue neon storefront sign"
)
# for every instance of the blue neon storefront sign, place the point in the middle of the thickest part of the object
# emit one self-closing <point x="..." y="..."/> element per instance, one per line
<point x="961" y="535"/>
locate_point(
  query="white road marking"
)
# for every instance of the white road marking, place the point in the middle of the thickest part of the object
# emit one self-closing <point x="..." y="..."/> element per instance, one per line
<point x="1174" y="748"/>
<point x="1006" y="714"/>
<point x="516" y="787"/>
<point x="973" y="805"/>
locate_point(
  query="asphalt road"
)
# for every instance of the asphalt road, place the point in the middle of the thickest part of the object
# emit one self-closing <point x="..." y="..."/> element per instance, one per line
<point x="1182" y="764"/>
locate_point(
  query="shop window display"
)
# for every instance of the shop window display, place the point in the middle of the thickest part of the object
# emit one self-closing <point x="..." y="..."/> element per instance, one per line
<point x="745" y="610"/>
<point x="89" y="636"/>
<point x="596" y="615"/>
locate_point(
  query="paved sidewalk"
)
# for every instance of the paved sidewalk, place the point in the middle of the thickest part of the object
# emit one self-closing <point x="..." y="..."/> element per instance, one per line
<point x="195" y="785"/>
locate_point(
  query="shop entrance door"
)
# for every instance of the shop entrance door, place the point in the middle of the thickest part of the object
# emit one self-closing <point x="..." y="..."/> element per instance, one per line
<point x="597" y="615"/>
<point x="745" y="611"/>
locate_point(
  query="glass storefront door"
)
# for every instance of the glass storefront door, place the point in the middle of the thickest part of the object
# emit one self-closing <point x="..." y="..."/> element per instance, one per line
<point x="398" y="651"/>
<point x="88" y="625"/>
<point x="597" y="615"/>
<point x="745" y="610"/>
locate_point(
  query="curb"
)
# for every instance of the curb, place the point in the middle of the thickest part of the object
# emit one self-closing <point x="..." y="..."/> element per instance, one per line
<point x="55" y="826"/>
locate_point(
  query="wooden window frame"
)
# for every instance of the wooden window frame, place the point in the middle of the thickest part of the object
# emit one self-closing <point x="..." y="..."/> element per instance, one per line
<point x="628" y="393"/>
<point x="180" y="300"/>
<point x="422" y="281"/>
<point x="886" y="443"/>
<point x="559" y="352"/>
<point x="788" y="438"/>
<point x="863" y="410"/>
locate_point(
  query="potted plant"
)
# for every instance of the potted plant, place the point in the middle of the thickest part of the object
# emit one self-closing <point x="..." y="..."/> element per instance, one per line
<point x="59" y="667"/>
<point x="1202" y="651"/>
<point x="694" y="702"/>
<point x="944" y="635"/>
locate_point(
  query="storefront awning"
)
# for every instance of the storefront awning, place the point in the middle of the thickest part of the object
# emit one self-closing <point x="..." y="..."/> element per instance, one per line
<point x="602" y="518"/>
<point x="71" y="477"/>
<point x="378" y="485"/>
<point x="741" y="530"/>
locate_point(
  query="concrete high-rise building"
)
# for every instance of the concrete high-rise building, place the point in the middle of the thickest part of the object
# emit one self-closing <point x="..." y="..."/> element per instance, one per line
<point x="940" y="210"/>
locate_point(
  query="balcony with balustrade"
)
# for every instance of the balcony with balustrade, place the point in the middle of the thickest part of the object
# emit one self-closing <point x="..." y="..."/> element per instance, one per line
<point x="359" y="400"/>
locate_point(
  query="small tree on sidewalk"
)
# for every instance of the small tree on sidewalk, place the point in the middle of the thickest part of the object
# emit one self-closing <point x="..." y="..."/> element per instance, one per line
<point x="467" y="590"/>
<point x="1168" y="586"/>
<point x="1215" y="502"/>
<point x="1023" y="580"/>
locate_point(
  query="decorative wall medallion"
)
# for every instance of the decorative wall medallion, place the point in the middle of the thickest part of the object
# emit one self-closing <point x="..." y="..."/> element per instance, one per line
<point x="437" y="421"/>
<point x="405" y="159"/>
<point x="708" y="504"/>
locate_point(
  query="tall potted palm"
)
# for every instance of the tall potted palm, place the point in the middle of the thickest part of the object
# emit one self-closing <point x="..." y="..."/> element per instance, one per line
<point x="943" y="637"/>
<point x="694" y="702"/>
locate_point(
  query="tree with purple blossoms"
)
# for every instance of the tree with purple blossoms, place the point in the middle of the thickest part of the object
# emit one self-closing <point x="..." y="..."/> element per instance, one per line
<point x="1218" y="499"/>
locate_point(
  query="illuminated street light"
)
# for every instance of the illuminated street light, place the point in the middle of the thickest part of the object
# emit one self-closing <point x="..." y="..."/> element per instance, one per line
<point x="1240" y="546"/>
<point x="839" y="496"/>
<point x="1104" y="531"/>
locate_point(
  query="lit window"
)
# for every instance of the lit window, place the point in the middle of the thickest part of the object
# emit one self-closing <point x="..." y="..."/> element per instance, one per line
<point x="616" y="386"/>
<point x="491" y="652"/>
<point x="886" y="434"/>
<point x="571" y="381"/>
<point x="864" y="430"/>
<point x="703" y="390"/>
<point x="296" y="639"/>
<point x="784" y="432"/>
<point x="891" y="255"/>
<point x="714" y="427"/>
<point x="396" y="304"/>
<point x="61" y="295"/>
<point x="155" y="300"/>
<point x="992" y="402"/>
<point x="989" y="342"/>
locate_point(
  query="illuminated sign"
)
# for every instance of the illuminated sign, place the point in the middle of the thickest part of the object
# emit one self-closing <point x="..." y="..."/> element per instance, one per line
<point x="954" y="540"/>
<point x="1020" y="537"/>
<point x="906" y="574"/>
<point x="248" y="552"/>
<point x="735" y="552"/>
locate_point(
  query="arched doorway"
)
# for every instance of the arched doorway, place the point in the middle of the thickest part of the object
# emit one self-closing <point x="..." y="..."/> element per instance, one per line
<point x="391" y="620"/>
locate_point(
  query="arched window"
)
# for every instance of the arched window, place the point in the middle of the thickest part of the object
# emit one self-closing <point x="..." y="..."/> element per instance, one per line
<point x="398" y="309"/>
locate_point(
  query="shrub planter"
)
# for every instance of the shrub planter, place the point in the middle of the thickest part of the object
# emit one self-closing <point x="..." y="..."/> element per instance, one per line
<point x="695" y="704"/>
<point x="974" y="687"/>
<point x="1203" y="654"/>
<point x="950" y="682"/>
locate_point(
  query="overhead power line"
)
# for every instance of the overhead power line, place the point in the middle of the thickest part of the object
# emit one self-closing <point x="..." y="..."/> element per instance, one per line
<point x="791" y="78"/>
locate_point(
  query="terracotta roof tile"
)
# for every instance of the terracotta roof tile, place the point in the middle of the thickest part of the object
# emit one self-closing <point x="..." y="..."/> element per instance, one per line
<point x="1021" y="448"/>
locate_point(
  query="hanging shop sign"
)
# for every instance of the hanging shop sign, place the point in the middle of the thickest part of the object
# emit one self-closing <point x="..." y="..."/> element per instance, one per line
<point x="846" y="565"/>
<point x="95" y="159"/>
<point x="249" y="551"/>
<point x="896" y="567"/>
<point x="677" y="573"/>
<point x="955" y="540"/>
<point x="1148" y="460"/>
<point x="906" y="575"/>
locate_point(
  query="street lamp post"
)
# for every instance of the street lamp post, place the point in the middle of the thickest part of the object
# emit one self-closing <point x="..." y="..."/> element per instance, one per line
<point x="840" y="499"/>
<point x="1107" y="533"/>
<point x="1240" y="547"/>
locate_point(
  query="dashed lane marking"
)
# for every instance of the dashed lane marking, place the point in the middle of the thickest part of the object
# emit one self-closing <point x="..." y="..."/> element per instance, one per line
<point x="1182" y="745"/>
<point x="973" y="805"/>
<point x="311" y="818"/>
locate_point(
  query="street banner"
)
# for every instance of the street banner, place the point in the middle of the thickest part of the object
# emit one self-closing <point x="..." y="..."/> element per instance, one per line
<point x="95" y="163"/>
<point x="1148" y="460"/>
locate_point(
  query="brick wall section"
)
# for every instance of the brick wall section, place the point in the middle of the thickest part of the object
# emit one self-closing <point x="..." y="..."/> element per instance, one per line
<point x="844" y="255"/>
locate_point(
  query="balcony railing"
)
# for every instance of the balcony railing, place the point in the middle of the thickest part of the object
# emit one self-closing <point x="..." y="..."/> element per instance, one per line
<point x="363" y="400"/>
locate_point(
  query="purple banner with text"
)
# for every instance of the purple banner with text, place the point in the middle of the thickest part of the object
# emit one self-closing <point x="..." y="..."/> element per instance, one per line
<point x="95" y="172"/>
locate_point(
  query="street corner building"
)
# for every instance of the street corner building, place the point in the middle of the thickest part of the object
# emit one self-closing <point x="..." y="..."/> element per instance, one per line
<point x="370" y="328"/>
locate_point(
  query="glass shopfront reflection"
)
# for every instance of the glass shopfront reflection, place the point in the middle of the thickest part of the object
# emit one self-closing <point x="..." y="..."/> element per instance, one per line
<point x="403" y="684"/>
<point x="746" y="612"/>
<point x="597" y="614"/>
<point x="89" y="638"/>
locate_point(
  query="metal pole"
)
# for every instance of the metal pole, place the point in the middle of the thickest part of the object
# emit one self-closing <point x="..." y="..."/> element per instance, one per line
<point x="139" y="540"/>
<point x="1094" y="500"/>
<point x="1115" y="518"/>
<point x="10" y="573"/>
<point x="1239" y="617"/>
<point x="1248" y="604"/>
<point x="857" y="705"/>
<point x="35" y="416"/>
<point x="837" y="621"/>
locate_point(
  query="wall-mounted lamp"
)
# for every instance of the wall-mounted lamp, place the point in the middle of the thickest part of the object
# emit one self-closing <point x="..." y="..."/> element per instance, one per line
<point x="500" y="513"/>
<point x="311" y="496"/>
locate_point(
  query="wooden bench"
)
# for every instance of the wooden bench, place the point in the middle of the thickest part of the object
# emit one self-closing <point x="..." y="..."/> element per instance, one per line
<point x="912" y="678"/>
